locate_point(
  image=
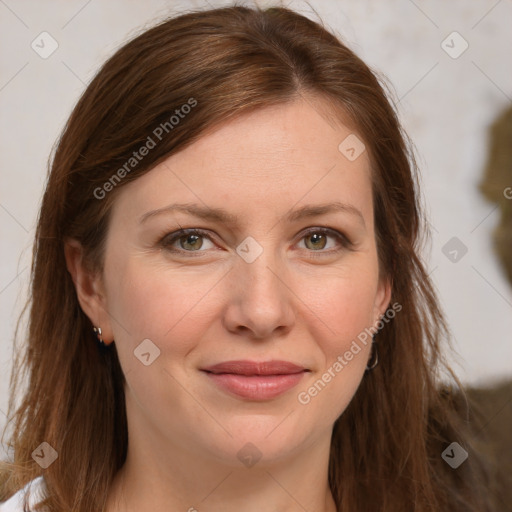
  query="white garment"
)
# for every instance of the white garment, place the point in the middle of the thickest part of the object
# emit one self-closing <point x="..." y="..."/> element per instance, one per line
<point x="16" y="502"/>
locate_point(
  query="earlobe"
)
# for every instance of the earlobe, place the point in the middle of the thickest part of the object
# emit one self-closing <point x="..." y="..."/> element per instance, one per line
<point x="88" y="287"/>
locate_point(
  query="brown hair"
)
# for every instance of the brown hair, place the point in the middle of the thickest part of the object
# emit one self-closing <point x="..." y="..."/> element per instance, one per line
<point x="386" y="446"/>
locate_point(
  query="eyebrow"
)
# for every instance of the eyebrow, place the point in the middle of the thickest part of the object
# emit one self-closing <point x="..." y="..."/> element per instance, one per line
<point x="221" y="215"/>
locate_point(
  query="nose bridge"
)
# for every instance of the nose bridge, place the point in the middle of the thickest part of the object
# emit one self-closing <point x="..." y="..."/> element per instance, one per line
<point x="263" y="300"/>
<point x="260" y="274"/>
<point x="263" y="274"/>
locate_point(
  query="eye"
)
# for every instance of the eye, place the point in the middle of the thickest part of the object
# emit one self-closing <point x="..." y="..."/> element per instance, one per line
<point x="192" y="240"/>
<point x="316" y="240"/>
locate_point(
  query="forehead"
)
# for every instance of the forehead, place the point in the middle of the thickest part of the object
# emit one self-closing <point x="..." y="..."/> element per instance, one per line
<point x="269" y="160"/>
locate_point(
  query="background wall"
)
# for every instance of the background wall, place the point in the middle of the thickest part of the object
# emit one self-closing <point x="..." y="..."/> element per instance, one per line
<point x="448" y="87"/>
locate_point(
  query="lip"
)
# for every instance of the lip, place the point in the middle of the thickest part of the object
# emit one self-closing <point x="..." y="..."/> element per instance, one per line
<point x="245" y="367"/>
<point x="255" y="380"/>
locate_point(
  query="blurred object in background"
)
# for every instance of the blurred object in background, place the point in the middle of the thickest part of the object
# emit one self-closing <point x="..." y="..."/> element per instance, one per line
<point x="489" y="413"/>
<point x="491" y="418"/>
<point x="496" y="186"/>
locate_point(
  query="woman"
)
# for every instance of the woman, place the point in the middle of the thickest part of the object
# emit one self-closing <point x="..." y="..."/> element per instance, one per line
<point x="228" y="306"/>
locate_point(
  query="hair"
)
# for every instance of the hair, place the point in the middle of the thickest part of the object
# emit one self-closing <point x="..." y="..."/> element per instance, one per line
<point x="227" y="62"/>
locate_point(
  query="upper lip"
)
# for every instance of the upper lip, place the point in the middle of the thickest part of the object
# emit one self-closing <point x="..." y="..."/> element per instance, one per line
<point x="256" y="368"/>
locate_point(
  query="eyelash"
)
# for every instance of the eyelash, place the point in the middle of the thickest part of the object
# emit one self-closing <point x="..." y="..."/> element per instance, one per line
<point x="170" y="238"/>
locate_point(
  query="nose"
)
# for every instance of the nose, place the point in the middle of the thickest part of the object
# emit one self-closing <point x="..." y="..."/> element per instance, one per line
<point x="260" y="303"/>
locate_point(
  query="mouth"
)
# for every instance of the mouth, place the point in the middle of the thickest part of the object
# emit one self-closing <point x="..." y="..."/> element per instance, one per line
<point x="255" y="380"/>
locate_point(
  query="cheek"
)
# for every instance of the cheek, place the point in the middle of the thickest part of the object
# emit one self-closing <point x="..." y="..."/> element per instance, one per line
<point x="345" y="307"/>
<point x="149" y="301"/>
<point x="353" y="308"/>
<point x="344" y="303"/>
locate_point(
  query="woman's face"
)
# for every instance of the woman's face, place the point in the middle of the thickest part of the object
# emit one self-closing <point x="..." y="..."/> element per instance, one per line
<point x="275" y="274"/>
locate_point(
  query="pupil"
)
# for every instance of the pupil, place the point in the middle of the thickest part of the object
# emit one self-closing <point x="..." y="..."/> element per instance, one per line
<point x="317" y="237"/>
<point x="194" y="239"/>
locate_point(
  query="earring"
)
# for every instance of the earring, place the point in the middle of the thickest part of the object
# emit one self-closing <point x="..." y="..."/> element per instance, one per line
<point x="375" y="356"/>
<point x="97" y="332"/>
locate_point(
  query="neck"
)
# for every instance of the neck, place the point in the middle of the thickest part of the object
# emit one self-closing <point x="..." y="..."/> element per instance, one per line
<point x="175" y="480"/>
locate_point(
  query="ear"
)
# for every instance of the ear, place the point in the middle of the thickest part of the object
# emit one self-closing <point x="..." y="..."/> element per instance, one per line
<point x="382" y="298"/>
<point x="89" y="289"/>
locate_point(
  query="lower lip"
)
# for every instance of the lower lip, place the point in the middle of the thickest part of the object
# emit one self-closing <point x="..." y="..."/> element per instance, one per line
<point x="256" y="387"/>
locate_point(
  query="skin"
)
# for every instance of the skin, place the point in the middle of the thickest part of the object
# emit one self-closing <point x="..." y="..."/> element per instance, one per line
<point x="299" y="301"/>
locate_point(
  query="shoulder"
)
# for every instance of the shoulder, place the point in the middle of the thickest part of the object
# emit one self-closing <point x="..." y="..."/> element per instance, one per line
<point x="17" y="501"/>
